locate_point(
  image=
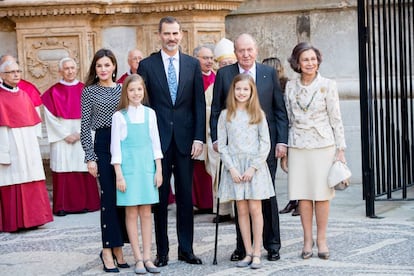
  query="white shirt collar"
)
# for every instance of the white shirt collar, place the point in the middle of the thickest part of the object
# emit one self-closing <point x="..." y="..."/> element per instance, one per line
<point x="75" y="82"/>
<point x="165" y="56"/>
<point x="252" y="71"/>
<point x="15" y="89"/>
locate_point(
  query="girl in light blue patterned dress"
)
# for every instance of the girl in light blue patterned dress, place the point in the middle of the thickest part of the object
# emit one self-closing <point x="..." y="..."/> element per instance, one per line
<point x="136" y="156"/>
<point x="244" y="144"/>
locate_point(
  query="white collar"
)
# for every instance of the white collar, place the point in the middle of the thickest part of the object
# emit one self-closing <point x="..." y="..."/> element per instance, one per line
<point x="165" y="56"/>
<point x="252" y="70"/>
<point x="14" y="90"/>
<point x="75" y="82"/>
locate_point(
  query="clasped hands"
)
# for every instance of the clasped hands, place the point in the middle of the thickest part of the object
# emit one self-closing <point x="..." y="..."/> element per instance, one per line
<point x="245" y="177"/>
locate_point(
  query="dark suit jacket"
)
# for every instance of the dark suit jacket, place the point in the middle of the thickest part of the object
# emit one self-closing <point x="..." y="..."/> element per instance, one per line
<point x="270" y="97"/>
<point x="186" y="119"/>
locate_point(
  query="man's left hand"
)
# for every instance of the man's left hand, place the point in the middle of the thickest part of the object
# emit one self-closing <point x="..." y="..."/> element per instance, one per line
<point x="281" y="150"/>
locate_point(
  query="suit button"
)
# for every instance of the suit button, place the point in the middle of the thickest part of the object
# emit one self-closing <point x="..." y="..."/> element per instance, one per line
<point x="171" y="123"/>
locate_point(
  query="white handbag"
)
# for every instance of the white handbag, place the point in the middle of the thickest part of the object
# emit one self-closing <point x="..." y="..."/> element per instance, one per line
<point x="339" y="175"/>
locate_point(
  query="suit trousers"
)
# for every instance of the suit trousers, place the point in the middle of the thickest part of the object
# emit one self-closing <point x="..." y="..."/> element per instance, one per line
<point x="181" y="166"/>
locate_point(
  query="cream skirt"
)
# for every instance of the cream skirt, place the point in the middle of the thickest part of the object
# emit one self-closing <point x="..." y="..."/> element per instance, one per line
<point x="308" y="173"/>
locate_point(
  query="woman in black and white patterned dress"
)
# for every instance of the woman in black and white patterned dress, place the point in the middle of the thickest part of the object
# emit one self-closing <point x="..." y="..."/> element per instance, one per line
<point x="100" y="97"/>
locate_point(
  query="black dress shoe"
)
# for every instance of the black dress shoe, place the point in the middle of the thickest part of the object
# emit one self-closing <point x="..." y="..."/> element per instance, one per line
<point x="189" y="258"/>
<point x="237" y="255"/>
<point x="61" y="213"/>
<point x="296" y="212"/>
<point x="222" y="218"/>
<point x="289" y="207"/>
<point x="273" y="255"/>
<point x="161" y="261"/>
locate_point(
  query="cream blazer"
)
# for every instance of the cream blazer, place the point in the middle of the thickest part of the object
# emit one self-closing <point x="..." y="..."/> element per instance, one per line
<point x="314" y="115"/>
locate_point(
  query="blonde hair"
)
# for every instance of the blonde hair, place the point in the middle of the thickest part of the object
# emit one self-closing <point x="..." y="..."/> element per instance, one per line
<point x="124" y="102"/>
<point x="253" y="107"/>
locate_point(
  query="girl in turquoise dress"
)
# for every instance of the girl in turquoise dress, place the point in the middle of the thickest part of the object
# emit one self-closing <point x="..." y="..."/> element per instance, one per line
<point x="136" y="157"/>
<point x="244" y="144"/>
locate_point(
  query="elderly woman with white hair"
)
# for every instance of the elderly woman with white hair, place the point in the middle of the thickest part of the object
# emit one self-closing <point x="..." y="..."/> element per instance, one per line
<point x="74" y="189"/>
<point x="24" y="201"/>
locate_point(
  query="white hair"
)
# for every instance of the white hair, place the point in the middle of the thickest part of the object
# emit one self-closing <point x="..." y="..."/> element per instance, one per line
<point x="6" y="64"/>
<point x="64" y="60"/>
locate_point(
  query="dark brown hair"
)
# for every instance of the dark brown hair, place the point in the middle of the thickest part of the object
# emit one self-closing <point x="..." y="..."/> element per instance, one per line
<point x="280" y="70"/>
<point x="298" y="50"/>
<point x="91" y="77"/>
<point x="167" y="20"/>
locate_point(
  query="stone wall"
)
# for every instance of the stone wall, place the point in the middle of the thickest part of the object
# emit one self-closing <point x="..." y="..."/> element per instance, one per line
<point x="331" y="26"/>
<point x="42" y="32"/>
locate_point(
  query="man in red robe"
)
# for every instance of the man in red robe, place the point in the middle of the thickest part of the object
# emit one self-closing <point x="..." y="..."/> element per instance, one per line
<point x="74" y="189"/>
<point x="25" y="85"/>
<point x="24" y="201"/>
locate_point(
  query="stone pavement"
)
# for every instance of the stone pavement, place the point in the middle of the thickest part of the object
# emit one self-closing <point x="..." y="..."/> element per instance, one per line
<point x="359" y="246"/>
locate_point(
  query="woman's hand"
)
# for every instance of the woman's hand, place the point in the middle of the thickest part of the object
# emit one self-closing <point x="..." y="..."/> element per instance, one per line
<point x="340" y="156"/>
<point x="248" y="174"/>
<point x="284" y="164"/>
<point x="235" y="175"/>
<point x="93" y="168"/>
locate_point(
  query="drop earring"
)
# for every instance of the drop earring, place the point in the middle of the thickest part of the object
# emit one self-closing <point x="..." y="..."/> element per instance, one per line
<point x="113" y="75"/>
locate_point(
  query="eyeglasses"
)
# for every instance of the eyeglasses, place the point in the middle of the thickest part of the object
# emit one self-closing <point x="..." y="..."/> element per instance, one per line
<point x="14" y="72"/>
<point x="207" y="58"/>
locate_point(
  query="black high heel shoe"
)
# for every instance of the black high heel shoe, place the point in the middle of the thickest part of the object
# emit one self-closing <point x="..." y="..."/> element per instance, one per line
<point x="114" y="270"/>
<point x="124" y="265"/>
<point x="292" y="204"/>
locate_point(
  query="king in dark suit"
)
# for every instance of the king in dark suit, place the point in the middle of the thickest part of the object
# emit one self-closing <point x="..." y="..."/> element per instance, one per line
<point x="175" y="90"/>
<point x="272" y="103"/>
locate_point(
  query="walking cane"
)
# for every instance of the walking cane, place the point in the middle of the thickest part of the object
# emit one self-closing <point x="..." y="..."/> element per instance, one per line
<point x="217" y="217"/>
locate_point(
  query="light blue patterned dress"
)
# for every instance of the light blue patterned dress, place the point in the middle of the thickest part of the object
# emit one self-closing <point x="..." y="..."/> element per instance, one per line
<point x="243" y="145"/>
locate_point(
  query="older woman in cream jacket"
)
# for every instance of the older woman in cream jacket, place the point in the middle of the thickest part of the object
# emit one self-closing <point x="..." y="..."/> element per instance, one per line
<point x="316" y="139"/>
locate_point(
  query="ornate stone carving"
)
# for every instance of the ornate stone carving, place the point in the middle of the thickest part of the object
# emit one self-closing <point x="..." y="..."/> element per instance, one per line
<point x="42" y="57"/>
<point x="31" y="8"/>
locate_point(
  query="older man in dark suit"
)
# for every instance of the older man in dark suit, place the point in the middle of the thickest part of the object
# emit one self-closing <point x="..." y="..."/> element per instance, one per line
<point x="272" y="103"/>
<point x="175" y="89"/>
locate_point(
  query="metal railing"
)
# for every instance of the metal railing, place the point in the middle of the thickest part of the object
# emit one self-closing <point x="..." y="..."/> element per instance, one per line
<point x="386" y="42"/>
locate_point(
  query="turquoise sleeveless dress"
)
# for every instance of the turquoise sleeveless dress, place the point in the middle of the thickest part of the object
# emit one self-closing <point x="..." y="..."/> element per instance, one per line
<point x="138" y="165"/>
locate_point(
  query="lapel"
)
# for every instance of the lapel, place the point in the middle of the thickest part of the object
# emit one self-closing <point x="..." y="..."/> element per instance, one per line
<point x="182" y="76"/>
<point x="160" y="71"/>
<point x="261" y="76"/>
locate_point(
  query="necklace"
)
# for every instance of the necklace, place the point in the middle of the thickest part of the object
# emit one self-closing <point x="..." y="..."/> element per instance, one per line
<point x="306" y="107"/>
